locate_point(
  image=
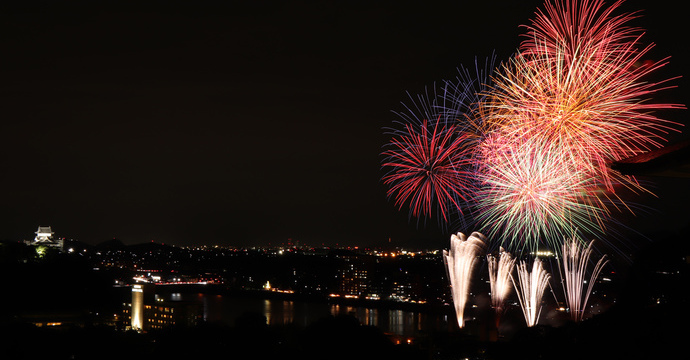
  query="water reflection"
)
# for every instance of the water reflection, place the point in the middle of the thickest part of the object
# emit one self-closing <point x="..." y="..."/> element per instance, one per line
<point x="402" y="322"/>
<point x="371" y="317"/>
<point x="227" y="309"/>
<point x="366" y="316"/>
<point x="279" y="312"/>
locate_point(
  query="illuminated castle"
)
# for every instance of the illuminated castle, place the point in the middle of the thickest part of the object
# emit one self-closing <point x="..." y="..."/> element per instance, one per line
<point x="44" y="237"/>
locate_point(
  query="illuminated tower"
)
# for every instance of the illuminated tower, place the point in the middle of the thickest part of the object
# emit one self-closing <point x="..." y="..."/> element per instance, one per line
<point x="137" y="312"/>
<point x="44" y="234"/>
<point x="148" y="312"/>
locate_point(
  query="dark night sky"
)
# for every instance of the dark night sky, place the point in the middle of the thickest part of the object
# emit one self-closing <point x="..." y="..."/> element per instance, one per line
<point x="236" y="124"/>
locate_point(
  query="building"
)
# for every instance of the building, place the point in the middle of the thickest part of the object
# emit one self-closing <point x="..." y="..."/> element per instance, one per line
<point x="44" y="237"/>
<point x="352" y="275"/>
<point x="146" y="312"/>
<point x="136" y="308"/>
<point x="353" y="280"/>
<point x="44" y="234"/>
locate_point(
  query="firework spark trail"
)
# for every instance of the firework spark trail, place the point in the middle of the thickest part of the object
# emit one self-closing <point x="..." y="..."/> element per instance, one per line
<point x="530" y="289"/>
<point x="430" y="160"/>
<point x="530" y="192"/>
<point x="499" y="277"/>
<point x="575" y="95"/>
<point x="464" y="97"/>
<point x="581" y="24"/>
<point x="575" y="261"/>
<point x="460" y="261"/>
<point x="599" y="115"/>
<point x="426" y="160"/>
<point x="426" y="169"/>
<point x="464" y="103"/>
<point x="577" y="79"/>
<point x="535" y="137"/>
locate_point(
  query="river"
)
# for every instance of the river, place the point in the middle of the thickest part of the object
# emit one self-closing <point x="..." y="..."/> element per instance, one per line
<point x="226" y="309"/>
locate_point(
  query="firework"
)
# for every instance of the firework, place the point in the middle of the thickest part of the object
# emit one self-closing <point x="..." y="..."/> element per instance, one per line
<point x="581" y="25"/>
<point x="572" y="101"/>
<point x="464" y="97"/>
<point x="499" y="277"/>
<point x="530" y="288"/>
<point x="577" y="81"/>
<point x="525" y="148"/>
<point x="426" y="169"/>
<point x="429" y="161"/>
<point x="576" y="286"/>
<point x="460" y="261"/>
<point x="530" y="191"/>
<point x="593" y="114"/>
<point x="463" y="102"/>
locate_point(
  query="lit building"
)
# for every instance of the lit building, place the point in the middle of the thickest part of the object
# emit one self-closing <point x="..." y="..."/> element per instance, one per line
<point x="401" y="292"/>
<point x="44" y="237"/>
<point x="137" y="307"/>
<point x="146" y="313"/>
<point x="44" y="234"/>
<point x="353" y="280"/>
<point x="353" y="277"/>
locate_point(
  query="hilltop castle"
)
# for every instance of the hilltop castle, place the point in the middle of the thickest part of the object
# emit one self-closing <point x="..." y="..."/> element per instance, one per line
<point x="44" y="237"/>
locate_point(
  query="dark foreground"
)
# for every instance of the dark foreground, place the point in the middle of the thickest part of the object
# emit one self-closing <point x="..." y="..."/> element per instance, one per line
<point x="652" y="333"/>
<point x="648" y="321"/>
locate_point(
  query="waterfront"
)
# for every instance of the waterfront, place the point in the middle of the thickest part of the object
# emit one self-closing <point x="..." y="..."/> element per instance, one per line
<point x="68" y="289"/>
<point x="226" y="309"/>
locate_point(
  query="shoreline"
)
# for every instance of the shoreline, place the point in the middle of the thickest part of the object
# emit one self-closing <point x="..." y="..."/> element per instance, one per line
<point x="220" y="289"/>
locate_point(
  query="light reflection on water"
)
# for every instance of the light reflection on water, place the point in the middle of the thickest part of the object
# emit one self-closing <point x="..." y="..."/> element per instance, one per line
<point x="227" y="309"/>
<point x="366" y="316"/>
<point x="279" y="312"/>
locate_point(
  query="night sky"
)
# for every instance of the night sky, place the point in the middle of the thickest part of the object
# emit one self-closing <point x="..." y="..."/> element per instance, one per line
<point x="244" y="123"/>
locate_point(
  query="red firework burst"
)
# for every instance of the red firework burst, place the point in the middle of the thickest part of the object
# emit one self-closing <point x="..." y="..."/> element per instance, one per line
<point x="427" y="168"/>
<point x="577" y="82"/>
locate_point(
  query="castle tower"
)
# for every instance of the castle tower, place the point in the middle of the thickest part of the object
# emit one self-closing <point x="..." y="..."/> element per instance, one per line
<point x="44" y="234"/>
<point x="44" y="237"/>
